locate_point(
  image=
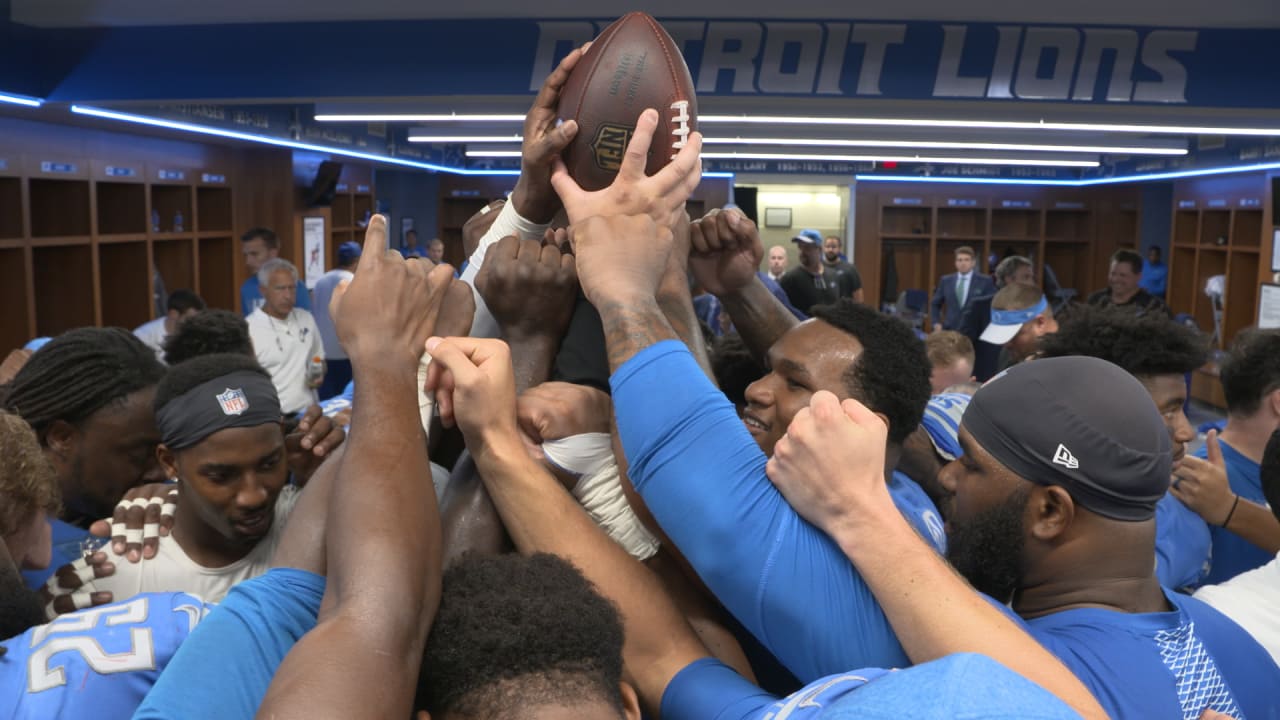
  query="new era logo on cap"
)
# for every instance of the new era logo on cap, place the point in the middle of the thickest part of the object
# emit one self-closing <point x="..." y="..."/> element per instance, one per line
<point x="1064" y="458"/>
<point x="233" y="402"/>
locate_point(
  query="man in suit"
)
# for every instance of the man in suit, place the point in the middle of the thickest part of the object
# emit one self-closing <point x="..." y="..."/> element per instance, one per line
<point x="957" y="289"/>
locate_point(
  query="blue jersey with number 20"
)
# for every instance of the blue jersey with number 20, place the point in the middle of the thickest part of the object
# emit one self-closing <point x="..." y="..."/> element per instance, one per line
<point x="98" y="662"/>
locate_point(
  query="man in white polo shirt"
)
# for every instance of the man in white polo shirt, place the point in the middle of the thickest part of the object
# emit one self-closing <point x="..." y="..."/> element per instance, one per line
<point x="1020" y="316"/>
<point x="285" y="338"/>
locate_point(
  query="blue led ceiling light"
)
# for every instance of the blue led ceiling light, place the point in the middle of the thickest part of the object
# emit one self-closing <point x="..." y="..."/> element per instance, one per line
<point x="20" y="100"/>
<point x="279" y="142"/>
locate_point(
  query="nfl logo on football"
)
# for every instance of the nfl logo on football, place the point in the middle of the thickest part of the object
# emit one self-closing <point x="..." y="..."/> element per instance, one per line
<point x="233" y="402"/>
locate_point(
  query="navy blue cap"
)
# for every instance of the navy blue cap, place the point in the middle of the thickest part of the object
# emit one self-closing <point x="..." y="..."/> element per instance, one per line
<point x="1082" y="424"/>
<point x="348" y="251"/>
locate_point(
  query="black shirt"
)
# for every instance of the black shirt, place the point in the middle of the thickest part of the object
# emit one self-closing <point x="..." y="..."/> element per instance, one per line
<point x="1141" y="303"/>
<point x="805" y="290"/>
<point x="849" y="280"/>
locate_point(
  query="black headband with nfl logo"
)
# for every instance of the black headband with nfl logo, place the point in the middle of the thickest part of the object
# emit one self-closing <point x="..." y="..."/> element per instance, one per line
<point x="238" y="399"/>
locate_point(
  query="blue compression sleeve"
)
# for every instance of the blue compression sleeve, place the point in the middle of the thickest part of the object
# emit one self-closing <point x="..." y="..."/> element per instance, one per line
<point x="703" y="478"/>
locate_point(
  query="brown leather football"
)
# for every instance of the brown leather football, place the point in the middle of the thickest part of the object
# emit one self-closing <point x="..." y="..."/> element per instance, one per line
<point x="633" y="65"/>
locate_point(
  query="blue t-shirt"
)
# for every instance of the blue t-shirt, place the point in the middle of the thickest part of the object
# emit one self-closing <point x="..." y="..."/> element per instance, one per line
<point x="1233" y="554"/>
<point x="1154" y="278"/>
<point x="703" y="478"/>
<point x="1164" y="665"/>
<point x="66" y="540"/>
<point x="222" y="672"/>
<point x="962" y="685"/>
<point x="96" y="663"/>
<point x="251" y="296"/>
<point x="1182" y="545"/>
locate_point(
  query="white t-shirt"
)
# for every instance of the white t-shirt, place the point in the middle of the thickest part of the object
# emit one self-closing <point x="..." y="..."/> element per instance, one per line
<point x="285" y="348"/>
<point x="153" y="335"/>
<point x="321" y="295"/>
<point x="172" y="570"/>
<point x="1252" y="599"/>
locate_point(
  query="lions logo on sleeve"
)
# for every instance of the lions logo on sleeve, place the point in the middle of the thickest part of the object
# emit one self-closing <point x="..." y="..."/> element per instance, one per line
<point x="99" y="662"/>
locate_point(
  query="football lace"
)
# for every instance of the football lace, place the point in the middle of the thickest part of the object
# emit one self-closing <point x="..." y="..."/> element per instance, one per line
<point x="680" y="118"/>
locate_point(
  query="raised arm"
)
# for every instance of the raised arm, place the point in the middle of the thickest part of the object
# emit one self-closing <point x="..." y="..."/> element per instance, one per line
<point x="542" y="517"/>
<point x="830" y="466"/>
<point x="726" y="250"/>
<point x="383" y="535"/>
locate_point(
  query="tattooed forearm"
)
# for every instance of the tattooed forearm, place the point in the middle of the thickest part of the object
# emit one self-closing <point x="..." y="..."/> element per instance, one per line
<point x="759" y="318"/>
<point x="630" y="327"/>
<point x="677" y="306"/>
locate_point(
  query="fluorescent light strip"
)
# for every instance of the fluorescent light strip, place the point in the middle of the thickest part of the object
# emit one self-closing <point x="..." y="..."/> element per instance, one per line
<point x="963" y="181"/>
<point x="234" y="135"/>
<point x="948" y="145"/>
<point x="988" y="124"/>
<point x="859" y="121"/>
<point x="902" y="158"/>
<point x="1146" y="177"/>
<point x="835" y="142"/>
<point x="445" y="117"/>
<point x="20" y="100"/>
<point x="464" y="139"/>
<point x="493" y="153"/>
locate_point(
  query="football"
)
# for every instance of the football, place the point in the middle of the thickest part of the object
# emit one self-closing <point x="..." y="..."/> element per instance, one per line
<point x="633" y="65"/>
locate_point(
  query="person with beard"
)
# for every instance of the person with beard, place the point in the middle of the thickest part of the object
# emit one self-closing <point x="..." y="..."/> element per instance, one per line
<point x="799" y="596"/>
<point x="849" y="279"/>
<point x="1159" y="353"/>
<point x="222" y="438"/>
<point x="1054" y="512"/>
<point x="88" y="396"/>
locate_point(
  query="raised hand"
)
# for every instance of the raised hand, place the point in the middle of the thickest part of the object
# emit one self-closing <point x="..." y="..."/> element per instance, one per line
<point x="529" y="287"/>
<point x="557" y="410"/>
<point x="475" y="388"/>
<point x="725" y="251"/>
<point x="661" y="196"/>
<point x="620" y="257"/>
<point x="830" y="464"/>
<point x="391" y="306"/>
<point x="544" y="139"/>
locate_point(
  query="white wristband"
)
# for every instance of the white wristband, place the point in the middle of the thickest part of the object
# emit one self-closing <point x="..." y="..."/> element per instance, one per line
<point x="599" y="490"/>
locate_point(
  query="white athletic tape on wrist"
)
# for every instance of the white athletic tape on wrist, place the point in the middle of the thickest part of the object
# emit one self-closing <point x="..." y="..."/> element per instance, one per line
<point x="599" y="490"/>
<point x="133" y="536"/>
<point x="82" y="599"/>
<point x="150" y="530"/>
<point x="117" y="530"/>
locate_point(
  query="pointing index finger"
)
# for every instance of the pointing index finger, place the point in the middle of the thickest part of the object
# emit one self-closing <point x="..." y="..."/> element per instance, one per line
<point x="375" y="241"/>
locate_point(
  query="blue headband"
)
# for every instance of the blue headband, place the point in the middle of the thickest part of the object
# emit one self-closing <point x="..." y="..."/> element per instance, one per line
<point x="1018" y="317"/>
